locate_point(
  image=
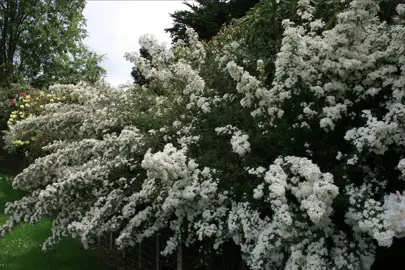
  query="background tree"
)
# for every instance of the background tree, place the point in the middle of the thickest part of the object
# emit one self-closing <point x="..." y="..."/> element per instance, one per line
<point x="69" y="69"/>
<point x="207" y="17"/>
<point x="40" y="36"/>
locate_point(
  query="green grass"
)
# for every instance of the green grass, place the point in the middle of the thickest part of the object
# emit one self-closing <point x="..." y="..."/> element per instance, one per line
<point x="21" y="249"/>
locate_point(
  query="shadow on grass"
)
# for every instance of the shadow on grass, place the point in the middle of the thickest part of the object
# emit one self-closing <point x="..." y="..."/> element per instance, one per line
<point x="21" y="248"/>
<point x="7" y="193"/>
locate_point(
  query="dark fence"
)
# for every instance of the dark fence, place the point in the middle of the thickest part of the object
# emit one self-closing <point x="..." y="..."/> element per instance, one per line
<point x="12" y="164"/>
<point x="143" y="256"/>
<point x="146" y="256"/>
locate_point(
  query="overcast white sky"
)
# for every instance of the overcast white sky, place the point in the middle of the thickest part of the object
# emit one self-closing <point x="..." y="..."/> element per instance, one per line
<point x="114" y="28"/>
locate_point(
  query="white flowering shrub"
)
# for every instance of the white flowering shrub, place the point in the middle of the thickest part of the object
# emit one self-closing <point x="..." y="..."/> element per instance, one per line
<point x="296" y="173"/>
<point x="83" y="114"/>
<point x="394" y="209"/>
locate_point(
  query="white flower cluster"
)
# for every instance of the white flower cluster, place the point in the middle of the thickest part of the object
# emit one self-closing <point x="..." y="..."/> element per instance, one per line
<point x="315" y="193"/>
<point x="156" y="69"/>
<point x="174" y="187"/>
<point x="240" y="143"/>
<point x="195" y="87"/>
<point x="239" y="140"/>
<point x="401" y="167"/>
<point x="394" y="207"/>
<point x="67" y="183"/>
<point x="301" y="199"/>
<point x="89" y="111"/>
<point x="250" y="87"/>
<point x="192" y="52"/>
<point x="401" y="9"/>
<point x="366" y="215"/>
<point x="321" y="64"/>
<point x="227" y="54"/>
<point x="376" y="135"/>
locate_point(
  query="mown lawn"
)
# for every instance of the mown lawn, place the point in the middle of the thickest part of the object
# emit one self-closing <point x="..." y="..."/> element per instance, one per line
<point x="21" y="249"/>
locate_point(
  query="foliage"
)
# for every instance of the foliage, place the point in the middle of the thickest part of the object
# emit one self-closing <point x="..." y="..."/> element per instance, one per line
<point x="296" y="172"/>
<point x="41" y="43"/>
<point x="83" y="65"/>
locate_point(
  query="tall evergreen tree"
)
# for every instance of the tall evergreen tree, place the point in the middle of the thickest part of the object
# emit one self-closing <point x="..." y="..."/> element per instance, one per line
<point x="135" y="73"/>
<point x="207" y="17"/>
